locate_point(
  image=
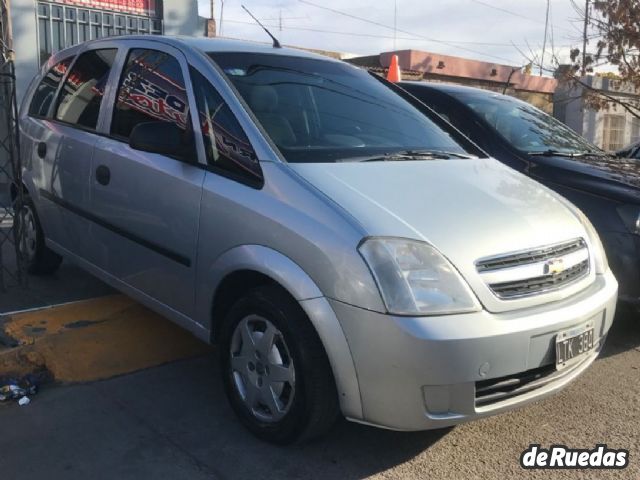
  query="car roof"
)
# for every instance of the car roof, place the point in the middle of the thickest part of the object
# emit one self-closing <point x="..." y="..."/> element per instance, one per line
<point x="215" y="44"/>
<point x="453" y="89"/>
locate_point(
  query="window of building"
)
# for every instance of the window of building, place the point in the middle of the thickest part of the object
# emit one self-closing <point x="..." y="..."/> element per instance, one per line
<point x="46" y="89"/>
<point x="61" y="26"/>
<point x="152" y="88"/>
<point x="82" y="92"/>
<point x="226" y="145"/>
<point x="613" y="132"/>
<point x="635" y="130"/>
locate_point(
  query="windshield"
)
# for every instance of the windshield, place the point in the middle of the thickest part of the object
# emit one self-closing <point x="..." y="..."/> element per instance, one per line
<point x="526" y="127"/>
<point x="326" y="111"/>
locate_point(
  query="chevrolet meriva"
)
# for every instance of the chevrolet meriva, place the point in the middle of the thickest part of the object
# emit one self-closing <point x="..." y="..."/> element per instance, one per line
<point x="348" y="250"/>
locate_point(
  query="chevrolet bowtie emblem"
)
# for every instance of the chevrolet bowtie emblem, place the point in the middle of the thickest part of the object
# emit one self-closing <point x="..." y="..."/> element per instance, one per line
<point x="554" y="267"/>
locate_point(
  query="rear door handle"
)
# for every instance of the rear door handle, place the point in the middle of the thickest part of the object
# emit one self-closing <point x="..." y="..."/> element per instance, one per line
<point x="103" y="175"/>
<point x="42" y="149"/>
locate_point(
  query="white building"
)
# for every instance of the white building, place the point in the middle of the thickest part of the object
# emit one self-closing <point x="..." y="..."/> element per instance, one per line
<point x="610" y="128"/>
<point x="41" y="28"/>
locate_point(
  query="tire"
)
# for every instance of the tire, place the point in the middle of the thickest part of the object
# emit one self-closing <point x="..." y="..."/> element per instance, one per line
<point x="303" y="400"/>
<point x="39" y="258"/>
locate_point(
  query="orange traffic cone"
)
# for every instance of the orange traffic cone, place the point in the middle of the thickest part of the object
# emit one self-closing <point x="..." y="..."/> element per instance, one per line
<point x="394" y="70"/>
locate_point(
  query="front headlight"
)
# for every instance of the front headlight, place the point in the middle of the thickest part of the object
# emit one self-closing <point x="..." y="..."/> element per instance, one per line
<point x="630" y="215"/>
<point x="602" y="264"/>
<point x="415" y="279"/>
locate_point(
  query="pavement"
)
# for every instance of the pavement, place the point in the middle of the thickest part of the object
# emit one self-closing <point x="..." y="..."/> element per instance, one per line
<point x="69" y="283"/>
<point x="173" y="422"/>
<point x="160" y="411"/>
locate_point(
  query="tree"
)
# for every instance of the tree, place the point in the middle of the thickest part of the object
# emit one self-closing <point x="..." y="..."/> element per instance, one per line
<point x="615" y="27"/>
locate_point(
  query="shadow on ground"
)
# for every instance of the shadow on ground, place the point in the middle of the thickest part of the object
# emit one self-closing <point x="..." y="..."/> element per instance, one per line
<point x="69" y="283"/>
<point x="624" y="334"/>
<point x="174" y="422"/>
<point x="203" y="424"/>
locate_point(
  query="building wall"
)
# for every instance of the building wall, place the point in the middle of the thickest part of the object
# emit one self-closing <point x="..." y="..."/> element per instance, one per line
<point x="571" y="108"/>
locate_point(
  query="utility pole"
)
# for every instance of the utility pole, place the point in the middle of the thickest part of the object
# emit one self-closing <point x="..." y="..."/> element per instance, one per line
<point x="544" y="42"/>
<point x="221" y="15"/>
<point x="210" y="24"/>
<point x="584" y="38"/>
<point x="395" y="22"/>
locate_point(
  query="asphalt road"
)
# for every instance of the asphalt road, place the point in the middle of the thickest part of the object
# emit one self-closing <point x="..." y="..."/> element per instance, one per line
<point x="69" y="283"/>
<point x="173" y="422"/>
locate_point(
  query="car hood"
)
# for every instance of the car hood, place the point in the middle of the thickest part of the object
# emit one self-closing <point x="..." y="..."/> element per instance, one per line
<point x="468" y="209"/>
<point x="617" y="178"/>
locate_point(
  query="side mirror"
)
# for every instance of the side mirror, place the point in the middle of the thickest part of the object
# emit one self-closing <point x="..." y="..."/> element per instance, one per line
<point x="164" y="138"/>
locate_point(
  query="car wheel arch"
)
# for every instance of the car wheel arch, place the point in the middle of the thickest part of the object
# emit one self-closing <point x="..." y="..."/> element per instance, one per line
<point x="242" y="268"/>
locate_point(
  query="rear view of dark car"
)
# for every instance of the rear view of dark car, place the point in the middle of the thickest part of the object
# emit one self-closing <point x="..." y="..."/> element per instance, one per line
<point x="605" y="188"/>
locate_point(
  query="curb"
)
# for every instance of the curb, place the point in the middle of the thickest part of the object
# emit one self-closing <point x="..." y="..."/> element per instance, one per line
<point x="92" y="340"/>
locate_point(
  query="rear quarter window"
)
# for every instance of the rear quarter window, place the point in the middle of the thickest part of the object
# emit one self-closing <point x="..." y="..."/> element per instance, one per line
<point x="46" y="89"/>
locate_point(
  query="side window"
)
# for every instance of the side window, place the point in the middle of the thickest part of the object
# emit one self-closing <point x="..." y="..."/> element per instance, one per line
<point x="81" y="96"/>
<point x="151" y="89"/>
<point x="46" y="89"/>
<point x="226" y="145"/>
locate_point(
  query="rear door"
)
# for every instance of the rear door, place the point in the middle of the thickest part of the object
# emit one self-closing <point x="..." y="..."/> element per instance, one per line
<point x="147" y="205"/>
<point x="40" y="141"/>
<point x="62" y="130"/>
<point x="76" y="116"/>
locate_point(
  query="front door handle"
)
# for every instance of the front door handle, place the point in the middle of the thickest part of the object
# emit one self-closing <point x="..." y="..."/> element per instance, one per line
<point x="103" y="175"/>
<point x="42" y="149"/>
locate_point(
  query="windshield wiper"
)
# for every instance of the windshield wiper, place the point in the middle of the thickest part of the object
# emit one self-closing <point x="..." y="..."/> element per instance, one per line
<point x="418" y="153"/>
<point x="558" y="153"/>
<point x="407" y="155"/>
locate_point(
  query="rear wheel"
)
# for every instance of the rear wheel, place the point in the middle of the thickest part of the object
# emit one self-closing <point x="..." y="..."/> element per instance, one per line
<point x="39" y="258"/>
<point x="275" y="370"/>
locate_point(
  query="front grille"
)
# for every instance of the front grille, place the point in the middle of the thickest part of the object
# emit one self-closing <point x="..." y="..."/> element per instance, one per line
<point x="535" y="271"/>
<point x="530" y="256"/>
<point x="496" y="390"/>
<point x="543" y="283"/>
<point x="499" y="389"/>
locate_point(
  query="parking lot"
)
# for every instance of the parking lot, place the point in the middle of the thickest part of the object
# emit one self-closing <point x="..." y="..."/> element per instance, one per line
<point x="164" y="414"/>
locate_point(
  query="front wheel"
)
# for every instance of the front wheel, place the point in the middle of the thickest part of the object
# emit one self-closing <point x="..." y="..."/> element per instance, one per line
<point x="275" y="371"/>
<point x="40" y="260"/>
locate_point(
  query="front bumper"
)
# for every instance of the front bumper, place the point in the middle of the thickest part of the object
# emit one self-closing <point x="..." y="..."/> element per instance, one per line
<point x="418" y="373"/>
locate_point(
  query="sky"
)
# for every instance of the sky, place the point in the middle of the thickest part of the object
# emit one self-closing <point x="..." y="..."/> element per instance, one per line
<point x="506" y="32"/>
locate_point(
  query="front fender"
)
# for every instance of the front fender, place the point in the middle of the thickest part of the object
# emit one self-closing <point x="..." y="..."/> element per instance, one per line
<point x="290" y="276"/>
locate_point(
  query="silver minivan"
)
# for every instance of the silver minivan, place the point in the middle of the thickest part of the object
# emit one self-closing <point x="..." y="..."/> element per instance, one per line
<point x="350" y="251"/>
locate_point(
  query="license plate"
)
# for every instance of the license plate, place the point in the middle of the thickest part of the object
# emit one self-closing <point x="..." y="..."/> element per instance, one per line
<point x="570" y="344"/>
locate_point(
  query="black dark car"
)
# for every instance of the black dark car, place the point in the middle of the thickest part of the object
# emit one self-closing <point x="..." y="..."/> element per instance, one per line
<point x="630" y="151"/>
<point x="605" y="188"/>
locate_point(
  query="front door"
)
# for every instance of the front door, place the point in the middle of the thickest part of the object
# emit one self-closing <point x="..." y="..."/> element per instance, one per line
<point x="147" y="205"/>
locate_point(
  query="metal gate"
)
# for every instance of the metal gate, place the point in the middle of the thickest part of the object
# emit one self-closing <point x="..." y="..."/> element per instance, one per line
<point x="12" y="264"/>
